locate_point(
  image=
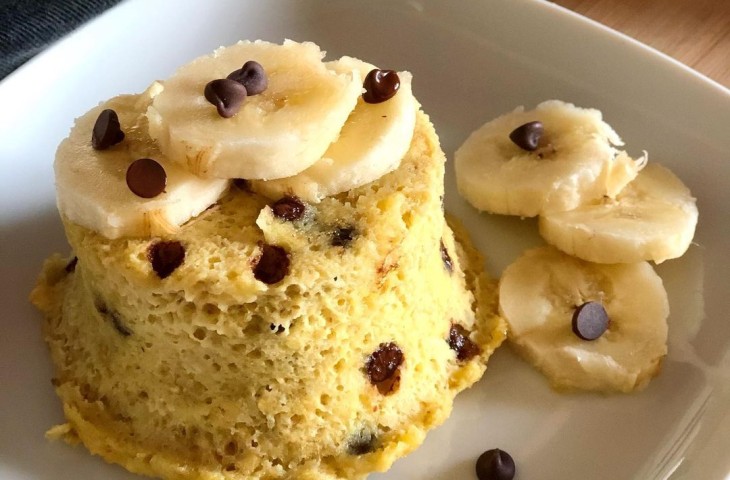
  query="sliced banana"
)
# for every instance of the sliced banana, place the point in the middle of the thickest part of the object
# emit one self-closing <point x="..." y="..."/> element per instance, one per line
<point x="91" y="188"/>
<point x="371" y="144"/>
<point x="576" y="161"/>
<point x="538" y="295"/>
<point x="277" y="133"/>
<point x="653" y="218"/>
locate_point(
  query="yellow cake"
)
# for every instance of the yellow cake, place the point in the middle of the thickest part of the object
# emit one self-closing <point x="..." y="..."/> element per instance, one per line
<point x="250" y="343"/>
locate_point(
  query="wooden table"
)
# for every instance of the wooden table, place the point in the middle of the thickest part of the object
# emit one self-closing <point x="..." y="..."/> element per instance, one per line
<point x="695" y="32"/>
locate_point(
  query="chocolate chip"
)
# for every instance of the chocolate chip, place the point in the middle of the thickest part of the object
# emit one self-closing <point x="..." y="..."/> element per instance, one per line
<point x="277" y="328"/>
<point x="495" y="464"/>
<point x="460" y="342"/>
<point x="446" y="258"/>
<point x="380" y="85"/>
<point x="242" y="184"/>
<point x="590" y="321"/>
<point x="527" y="136"/>
<point x="382" y="367"/>
<point x="362" y="442"/>
<point x="165" y="257"/>
<point x="288" y="208"/>
<point x="146" y="178"/>
<point x="71" y="265"/>
<point x="343" y="236"/>
<point x="272" y="266"/>
<point x="107" y="131"/>
<point x="252" y="76"/>
<point x="227" y="95"/>
<point x="112" y="316"/>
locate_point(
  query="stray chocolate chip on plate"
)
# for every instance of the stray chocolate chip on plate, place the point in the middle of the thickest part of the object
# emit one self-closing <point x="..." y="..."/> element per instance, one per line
<point x="252" y="76"/>
<point x="590" y="321"/>
<point x="382" y="367"/>
<point x="227" y="95"/>
<point x="380" y="85"/>
<point x="166" y="257"/>
<point x="288" y="208"/>
<point x="272" y="265"/>
<point x="495" y="464"/>
<point x="527" y="136"/>
<point x="460" y="343"/>
<point x="107" y="130"/>
<point x="146" y="178"/>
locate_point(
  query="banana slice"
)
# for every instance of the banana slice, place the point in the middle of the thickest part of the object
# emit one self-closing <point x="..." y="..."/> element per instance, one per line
<point x="91" y="188"/>
<point x="653" y="218"/>
<point x="575" y="161"/>
<point x="371" y="144"/>
<point x="275" y="134"/>
<point x="538" y="295"/>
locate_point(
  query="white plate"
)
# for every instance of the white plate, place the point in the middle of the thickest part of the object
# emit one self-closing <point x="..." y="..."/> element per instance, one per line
<point x="471" y="60"/>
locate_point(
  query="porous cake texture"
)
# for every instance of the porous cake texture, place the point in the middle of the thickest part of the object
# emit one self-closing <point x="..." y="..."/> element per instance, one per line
<point x="336" y="370"/>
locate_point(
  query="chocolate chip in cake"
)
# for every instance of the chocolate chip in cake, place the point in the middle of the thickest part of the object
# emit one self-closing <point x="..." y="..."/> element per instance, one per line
<point x="590" y="321"/>
<point x="342" y="236"/>
<point x="460" y="342"/>
<point x="495" y="464"/>
<point x="146" y="178"/>
<point x="242" y="184"/>
<point x="273" y="264"/>
<point x="227" y="95"/>
<point x="382" y="367"/>
<point x="165" y="256"/>
<point x="380" y="85"/>
<point x="446" y="258"/>
<point x="288" y="208"/>
<point x="107" y="130"/>
<point x="71" y="265"/>
<point x="527" y="136"/>
<point x="112" y="316"/>
<point x="362" y="442"/>
<point x="277" y="328"/>
<point x="252" y="76"/>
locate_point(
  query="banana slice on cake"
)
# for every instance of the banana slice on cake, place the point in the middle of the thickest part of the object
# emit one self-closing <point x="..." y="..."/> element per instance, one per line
<point x="653" y="218"/>
<point x="371" y="144"/>
<point x="277" y="132"/>
<point x="553" y="158"/>
<point x="95" y="183"/>
<point x="539" y="295"/>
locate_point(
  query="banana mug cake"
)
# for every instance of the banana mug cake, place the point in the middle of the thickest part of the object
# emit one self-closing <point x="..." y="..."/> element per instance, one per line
<point x="263" y="283"/>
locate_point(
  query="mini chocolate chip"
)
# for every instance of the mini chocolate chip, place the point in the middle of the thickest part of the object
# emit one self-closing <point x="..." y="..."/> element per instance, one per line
<point x="527" y="136"/>
<point x="252" y="76"/>
<point x="273" y="264"/>
<point x="107" y="131"/>
<point x="382" y="367"/>
<point x="495" y="464"/>
<point x="112" y="316"/>
<point x="277" y="328"/>
<point x="242" y="184"/>
<point x="590" y="321"/>
<point x="288" y="208"/>
<point x="146" y="178"/>
<point x="446" y="258"/>
<point x="71" y="265"/>
<point x="363" y="442"/>
<point x="227" y="95"/>
<point x="380" y="85"/>
<point x="165" y="257"/>
<point x="460" y="342"/>
<point x="343" y="236"/>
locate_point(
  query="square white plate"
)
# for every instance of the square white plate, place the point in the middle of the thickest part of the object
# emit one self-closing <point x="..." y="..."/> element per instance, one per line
<point x="472" y="60"/>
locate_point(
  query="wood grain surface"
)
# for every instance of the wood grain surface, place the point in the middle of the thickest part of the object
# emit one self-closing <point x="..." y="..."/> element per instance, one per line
<point x="695" y="32"/>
